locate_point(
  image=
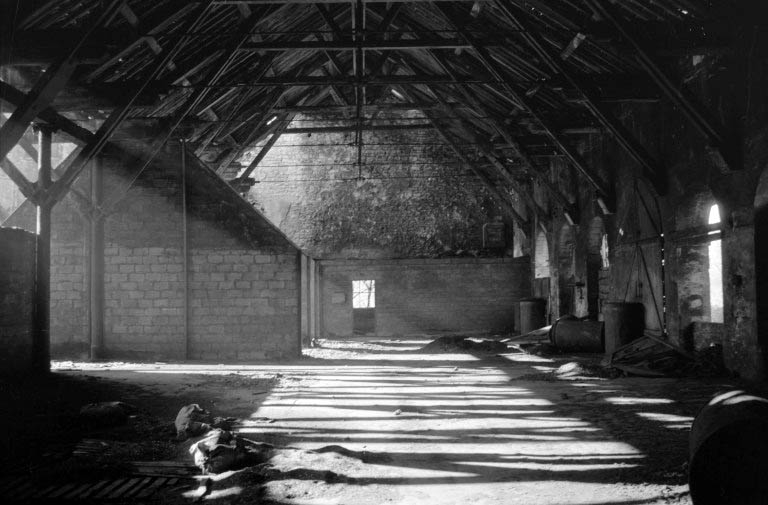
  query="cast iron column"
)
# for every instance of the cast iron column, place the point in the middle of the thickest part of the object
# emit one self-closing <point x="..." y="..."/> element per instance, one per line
<point x="97" y="260"/>
<point x="41" y="339"/>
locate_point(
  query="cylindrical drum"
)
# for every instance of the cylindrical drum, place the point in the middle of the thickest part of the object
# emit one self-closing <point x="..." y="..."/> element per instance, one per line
<point x="624" y="322"/>
<point x="577" y="336"/>
<point x="532" y="314"/>
<point x="728" y="459"/>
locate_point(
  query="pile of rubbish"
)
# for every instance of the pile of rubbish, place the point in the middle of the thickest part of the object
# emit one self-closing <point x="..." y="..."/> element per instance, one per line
<point x="221" y="451"/>
<point x="646" y="356"/>
<point x="193" y="420"/>
<point x="650" y="356"/>
<point x="462" y="344"/>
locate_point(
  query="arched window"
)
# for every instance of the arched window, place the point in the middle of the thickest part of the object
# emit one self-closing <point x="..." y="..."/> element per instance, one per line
<point x="605" y="252"/>
<point x="541" y="256"/>
<point x="715" y="250"/>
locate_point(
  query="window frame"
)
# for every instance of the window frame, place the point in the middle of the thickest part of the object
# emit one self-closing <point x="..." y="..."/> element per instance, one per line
<point x="366" y="288"/>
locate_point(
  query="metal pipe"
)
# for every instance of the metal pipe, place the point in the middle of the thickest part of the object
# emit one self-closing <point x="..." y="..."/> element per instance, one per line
<point x="185" y="245"/>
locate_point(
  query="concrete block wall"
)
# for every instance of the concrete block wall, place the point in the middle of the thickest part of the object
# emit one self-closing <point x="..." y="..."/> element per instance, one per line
<point x="241" y="296"/>
<point x="144" y="302"/>
<point x="238" y="298"/>
<point x="420" y="296"/>
<point x="17" y="283"/>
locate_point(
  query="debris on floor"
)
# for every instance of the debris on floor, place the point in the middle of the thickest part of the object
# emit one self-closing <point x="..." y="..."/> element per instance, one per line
<point x="536" y="335"/>
<point x="462" y="344"/>
<point x="574" y="370"/>
<point x="193" y="420"/>
<point x="220" y="451"/>
<point x="543" y="349"/>
<point x="650" y="356"/>
<point x="581" y="370"/>
<point x="105" y="414"/>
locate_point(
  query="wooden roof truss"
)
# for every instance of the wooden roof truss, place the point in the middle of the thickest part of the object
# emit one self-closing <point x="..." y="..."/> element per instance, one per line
<point x="513" y="79"/>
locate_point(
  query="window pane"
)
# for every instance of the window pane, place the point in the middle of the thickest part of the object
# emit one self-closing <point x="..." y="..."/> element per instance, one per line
<point x="363" y="294"/>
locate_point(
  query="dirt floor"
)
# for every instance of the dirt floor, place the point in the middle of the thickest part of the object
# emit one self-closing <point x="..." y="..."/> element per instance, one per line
<point x="361" y="421"/>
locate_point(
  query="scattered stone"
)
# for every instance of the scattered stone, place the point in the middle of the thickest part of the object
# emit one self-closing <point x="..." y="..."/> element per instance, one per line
<point x="397" y="412"/>
<point x="220" y="451"/>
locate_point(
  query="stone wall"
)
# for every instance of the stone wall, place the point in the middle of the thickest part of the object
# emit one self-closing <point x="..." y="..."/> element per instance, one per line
<point x="670" y="272"/>
<point x="17" y="284"/>
<point x="427" y="296"/>
<point x="409" y="198"/>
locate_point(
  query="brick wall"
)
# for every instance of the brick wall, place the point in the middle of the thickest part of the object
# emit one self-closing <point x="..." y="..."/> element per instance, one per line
<point x="427" y="296"/>
<point x="17" y="281"/>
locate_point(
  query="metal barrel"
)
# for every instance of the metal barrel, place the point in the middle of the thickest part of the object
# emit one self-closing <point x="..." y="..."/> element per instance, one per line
<point x="532" y="314"/>
<point x="624" y="322"/>
<point x="570" y="334"/>
<point x="728" y="451"/>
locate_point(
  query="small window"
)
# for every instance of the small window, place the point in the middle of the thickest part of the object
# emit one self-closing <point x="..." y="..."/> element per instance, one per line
<point x="715" y="250"/>
<point x="604" y="252"/>
<point x="363" y="294"/>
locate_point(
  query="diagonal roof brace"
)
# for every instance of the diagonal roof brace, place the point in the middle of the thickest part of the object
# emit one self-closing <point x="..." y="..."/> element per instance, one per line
<point x="652" y="169"/>
<point x="482" y="54"/>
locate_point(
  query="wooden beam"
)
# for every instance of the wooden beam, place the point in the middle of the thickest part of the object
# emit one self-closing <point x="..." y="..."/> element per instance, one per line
<point x="101" y="137"/>
<point x="43" y="93"/>
<point x="304" y="2"/>
<point x="313" y="80"/>
<point x="220" y="126"/>
<point x="490" y="186"/>
<point x="330" y="21"/>
<point x="13" y="96"/>
<point x="263" y="152"/>
<point x="275" y="98"/>
<point x="513" y="145"/>
<point x="354" y="127"/>
<point x="521" y="100"/>
<point x="26" y="187"/>
<point x="486" y="150"/>
<point x="652" y="169"/>
<point x="388" y="17"/>
<point x="145" y="30"/>
<point x="349" y="45"/>
<point x="725" y="155"/>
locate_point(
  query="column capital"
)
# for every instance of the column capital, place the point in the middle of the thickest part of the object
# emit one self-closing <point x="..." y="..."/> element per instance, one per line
<point x="42" y="126"/>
